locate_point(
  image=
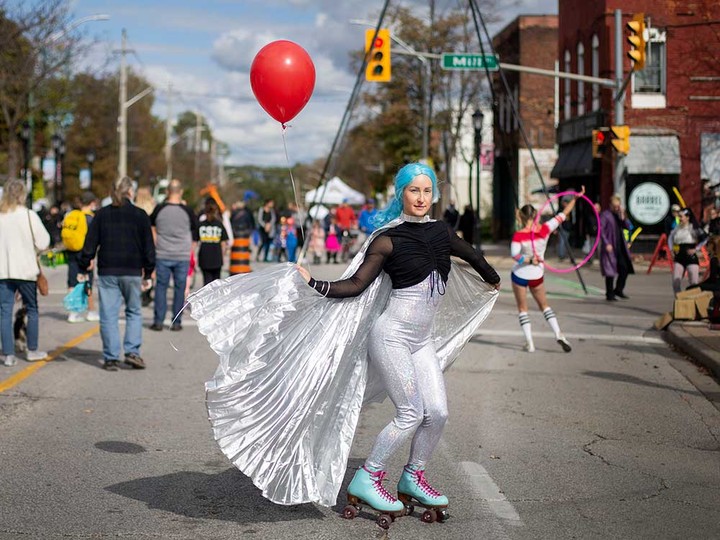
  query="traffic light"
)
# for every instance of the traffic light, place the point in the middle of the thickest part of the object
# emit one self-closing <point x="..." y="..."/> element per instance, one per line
<point x="600" y="138"/>
<point x="378" y="55"/>
<point x="637" y="41"/>
<point x="621" y="138"/>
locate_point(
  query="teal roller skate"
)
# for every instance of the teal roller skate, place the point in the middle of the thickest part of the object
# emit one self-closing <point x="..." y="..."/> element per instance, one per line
<point x="366" y="489"/>
<point x="413" y="488"/>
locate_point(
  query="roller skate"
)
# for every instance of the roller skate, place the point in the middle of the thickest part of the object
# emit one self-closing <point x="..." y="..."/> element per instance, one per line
<point x="366" y="489"/>
<point x="413" y="488"/>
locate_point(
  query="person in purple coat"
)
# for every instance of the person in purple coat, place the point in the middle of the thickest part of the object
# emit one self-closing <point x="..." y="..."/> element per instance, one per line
<point x="615" y="261"/>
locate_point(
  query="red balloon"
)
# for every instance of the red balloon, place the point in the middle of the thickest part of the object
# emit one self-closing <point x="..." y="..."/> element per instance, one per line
<point x="282" y="77"/>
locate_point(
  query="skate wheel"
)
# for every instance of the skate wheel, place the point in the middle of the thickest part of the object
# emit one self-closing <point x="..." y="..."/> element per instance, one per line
<point x="409" y="509"/>
<point x="384" y="521"/>
<point x="350" y="511"/>
<point x="443" y="515"/>
<point x="429" y="516"/>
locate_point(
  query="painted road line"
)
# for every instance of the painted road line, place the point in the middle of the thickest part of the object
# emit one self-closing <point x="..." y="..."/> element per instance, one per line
<point x="20" y="376"/>
<point x="482" y="485"/>
<point x="589" y="337"/>
<point x="578" y="315"/>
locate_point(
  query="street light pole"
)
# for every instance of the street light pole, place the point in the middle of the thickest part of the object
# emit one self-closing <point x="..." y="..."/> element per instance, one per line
<point x="477" y="118"/>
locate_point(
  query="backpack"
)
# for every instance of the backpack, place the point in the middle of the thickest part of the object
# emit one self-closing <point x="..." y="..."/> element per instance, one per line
<point x="74" y="229"/>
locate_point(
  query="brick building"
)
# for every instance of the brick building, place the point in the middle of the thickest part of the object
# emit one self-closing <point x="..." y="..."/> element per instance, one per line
<point x="672" y="106"/>
<point x="529" y="40"/>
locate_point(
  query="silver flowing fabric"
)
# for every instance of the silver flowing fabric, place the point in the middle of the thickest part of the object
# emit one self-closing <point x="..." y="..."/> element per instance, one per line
<point x="294" y="372"/>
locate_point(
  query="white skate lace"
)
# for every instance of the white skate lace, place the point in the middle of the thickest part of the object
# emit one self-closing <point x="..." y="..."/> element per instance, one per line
<point x="378" y="477"/>
<point x="423" y="484"/>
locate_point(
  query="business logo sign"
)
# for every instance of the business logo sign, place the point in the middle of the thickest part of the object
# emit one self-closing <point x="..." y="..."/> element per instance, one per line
<point x="648" y="203"/>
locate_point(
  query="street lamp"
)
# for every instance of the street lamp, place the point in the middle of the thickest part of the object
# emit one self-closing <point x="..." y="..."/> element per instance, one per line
<point x="90" y="158"/>
<point x="58" y="145"/>
<point x="477" y="119"/>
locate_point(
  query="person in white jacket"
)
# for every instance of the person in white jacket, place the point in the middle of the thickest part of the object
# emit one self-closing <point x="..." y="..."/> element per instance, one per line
<point x="21" y="234"/>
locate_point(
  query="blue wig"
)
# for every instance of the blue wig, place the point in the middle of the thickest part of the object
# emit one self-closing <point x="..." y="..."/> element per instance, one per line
<point x="402" y="179"/>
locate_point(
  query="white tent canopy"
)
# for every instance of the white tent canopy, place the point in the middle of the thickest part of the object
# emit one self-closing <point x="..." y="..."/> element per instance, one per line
<point x="318" y="211"/>
<point x="335" y="192"/>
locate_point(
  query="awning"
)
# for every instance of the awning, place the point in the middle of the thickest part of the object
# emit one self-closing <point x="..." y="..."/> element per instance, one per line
<point x="653" y="154"/>
<point x="575" y="160"/>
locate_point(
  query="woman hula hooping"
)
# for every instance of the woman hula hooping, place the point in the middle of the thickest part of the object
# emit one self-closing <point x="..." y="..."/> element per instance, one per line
<point x="528" y="249"/>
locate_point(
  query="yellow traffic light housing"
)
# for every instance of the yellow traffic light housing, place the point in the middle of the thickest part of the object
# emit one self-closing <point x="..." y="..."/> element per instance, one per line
<point x="600" y="138"/>
<point x="378" y="67"/>
<point x="621" y="138"/>
<point x="637" y="41"/>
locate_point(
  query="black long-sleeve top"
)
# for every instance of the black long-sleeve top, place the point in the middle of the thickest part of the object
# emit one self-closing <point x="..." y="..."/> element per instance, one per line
<point x="122" y="237"/>
<point x="408" y="253"/>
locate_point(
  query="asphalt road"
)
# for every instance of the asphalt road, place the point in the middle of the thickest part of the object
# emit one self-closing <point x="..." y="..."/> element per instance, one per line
<point x="614" y="440"/>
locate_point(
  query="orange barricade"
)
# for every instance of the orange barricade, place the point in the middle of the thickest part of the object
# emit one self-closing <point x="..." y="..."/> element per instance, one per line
<point x="661" y="249"/>
<point x="240" y="256"/>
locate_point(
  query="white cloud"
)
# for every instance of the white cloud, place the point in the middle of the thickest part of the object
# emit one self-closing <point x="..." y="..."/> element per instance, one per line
<point x="322" y="27"/>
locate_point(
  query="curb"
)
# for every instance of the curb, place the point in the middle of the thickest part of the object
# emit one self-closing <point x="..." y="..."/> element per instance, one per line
<point x="683" y="340"/>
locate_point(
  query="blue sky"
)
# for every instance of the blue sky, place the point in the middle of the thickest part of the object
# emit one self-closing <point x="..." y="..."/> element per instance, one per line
<point x="205" y="49"/>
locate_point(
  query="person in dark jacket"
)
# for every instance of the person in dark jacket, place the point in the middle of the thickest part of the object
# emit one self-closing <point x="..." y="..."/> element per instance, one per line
<point x="466" y="224"/>
<point x="615" y="261"/>
<point x="121" y="236"/>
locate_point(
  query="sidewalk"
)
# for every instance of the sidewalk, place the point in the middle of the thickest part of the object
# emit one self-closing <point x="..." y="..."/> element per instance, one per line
<point x="695" y="339"/>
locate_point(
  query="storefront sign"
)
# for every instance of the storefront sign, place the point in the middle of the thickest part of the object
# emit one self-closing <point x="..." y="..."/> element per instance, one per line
<point x="648" y="203"/>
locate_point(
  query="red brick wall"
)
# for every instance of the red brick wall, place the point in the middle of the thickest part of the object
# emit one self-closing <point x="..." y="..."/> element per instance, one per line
<point x="693" y="48"/>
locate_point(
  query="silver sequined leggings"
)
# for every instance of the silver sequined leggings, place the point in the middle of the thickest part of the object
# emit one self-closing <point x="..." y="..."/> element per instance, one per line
<point x="402" y="350"/>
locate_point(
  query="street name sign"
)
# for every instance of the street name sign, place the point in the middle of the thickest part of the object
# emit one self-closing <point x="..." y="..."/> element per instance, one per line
<point x="470" y="61"/>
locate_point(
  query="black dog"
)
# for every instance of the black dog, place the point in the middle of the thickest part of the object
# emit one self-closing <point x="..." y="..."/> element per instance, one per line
<point x="20" y="330"/>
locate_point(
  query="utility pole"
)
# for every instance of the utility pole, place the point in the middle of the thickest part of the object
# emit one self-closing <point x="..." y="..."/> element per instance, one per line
<point x="122" y="120"/>
<point x="125" y="104"/>
<point x="619" y="172"/>
<point x="168" y="134"/>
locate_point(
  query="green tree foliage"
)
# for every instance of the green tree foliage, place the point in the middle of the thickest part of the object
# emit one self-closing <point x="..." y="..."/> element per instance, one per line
<point x="93" y="116"/>
<point x="35" y="47"/>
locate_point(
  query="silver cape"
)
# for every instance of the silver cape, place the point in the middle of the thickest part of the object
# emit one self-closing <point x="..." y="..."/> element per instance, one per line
<point x="294" y="371"/>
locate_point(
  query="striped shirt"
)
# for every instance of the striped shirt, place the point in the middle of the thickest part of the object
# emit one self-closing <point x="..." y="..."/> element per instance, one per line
<point x="521" y="248"/>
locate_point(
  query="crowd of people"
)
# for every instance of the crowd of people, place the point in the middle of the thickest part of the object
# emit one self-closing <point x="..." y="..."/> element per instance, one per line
<point x="139" y="250"/>
<point x="130" y="251"/>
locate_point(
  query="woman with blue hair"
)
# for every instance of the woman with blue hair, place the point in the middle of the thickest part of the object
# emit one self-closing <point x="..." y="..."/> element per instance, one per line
<point x="296" y="367"/>
<point x="414" y="251"/>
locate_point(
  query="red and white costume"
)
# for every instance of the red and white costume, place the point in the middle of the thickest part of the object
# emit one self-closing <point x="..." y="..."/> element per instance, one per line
<point x="521" y="249"/>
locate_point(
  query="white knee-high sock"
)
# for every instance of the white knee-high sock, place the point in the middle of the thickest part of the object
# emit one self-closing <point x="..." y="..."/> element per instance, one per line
<point x="525" y="326"/>
<point x="551" y="318"/>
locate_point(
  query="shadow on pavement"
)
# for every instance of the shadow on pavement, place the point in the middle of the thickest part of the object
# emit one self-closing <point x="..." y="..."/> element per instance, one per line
<point x="91" y="357"/>
<point x="227" y="495"/>
<point x="622" y="377"/>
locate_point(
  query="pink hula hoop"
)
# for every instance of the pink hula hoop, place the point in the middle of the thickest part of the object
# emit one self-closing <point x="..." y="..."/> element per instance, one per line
<point x="537" y="220"/>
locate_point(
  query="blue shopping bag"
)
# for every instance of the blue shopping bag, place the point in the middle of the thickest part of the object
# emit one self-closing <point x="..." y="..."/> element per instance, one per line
<point x="77" y="299"/>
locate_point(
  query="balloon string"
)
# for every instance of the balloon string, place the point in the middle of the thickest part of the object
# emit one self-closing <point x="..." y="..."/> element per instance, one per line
<point x="295" y="192"/>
